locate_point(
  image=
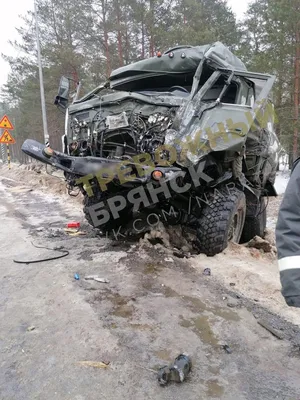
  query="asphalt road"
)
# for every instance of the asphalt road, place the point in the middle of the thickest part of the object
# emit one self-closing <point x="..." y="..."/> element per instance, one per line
<point x="150" y="311"/>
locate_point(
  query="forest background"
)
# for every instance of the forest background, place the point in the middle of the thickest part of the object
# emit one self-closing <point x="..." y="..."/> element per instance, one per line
<point x="87" y="39"/>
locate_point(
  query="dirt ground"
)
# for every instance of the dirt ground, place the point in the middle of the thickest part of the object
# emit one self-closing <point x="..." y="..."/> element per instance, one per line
<point x="153" y="308"/>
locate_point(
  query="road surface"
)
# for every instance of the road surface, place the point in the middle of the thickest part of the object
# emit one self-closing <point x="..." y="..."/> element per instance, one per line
<point x="150" y="311"/>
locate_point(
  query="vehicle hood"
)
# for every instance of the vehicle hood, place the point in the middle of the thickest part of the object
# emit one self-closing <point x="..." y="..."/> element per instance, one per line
<point x="115" y="97"/>
<point x="184" y="60"/>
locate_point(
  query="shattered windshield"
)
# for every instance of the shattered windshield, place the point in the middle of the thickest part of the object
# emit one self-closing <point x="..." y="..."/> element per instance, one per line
<point x="177" y="84"/>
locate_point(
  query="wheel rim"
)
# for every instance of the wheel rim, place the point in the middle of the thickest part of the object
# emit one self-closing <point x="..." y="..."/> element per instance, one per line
<point x="236" y="226"/>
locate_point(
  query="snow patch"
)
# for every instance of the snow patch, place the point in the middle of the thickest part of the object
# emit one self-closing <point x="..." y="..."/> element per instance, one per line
<point x="282" y="180"/>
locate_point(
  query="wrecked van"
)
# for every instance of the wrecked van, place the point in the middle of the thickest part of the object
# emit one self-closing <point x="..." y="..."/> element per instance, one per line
<point x="186" y="137"/>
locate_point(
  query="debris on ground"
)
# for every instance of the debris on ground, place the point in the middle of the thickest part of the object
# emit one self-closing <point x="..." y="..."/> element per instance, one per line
<point x="30" y="328"/>
<point x="101" y="280"/>
<point x="165" y="239"/>
<point x="132" y="248"/>
<point x="270" y="329"/>
<point x="207" y="272"/>
<point x="76" y="276"/>
<point x="169" y="259"/>
<point x="73" y="225"/>
<point x="54" y="233"/>
<point x="90" y="277"/>
<point x="181" y="254"/>
<point x="155" y="236"/>
<point x="233" y="303"/>
<point x="96" y="278"/>
<point x="74" y="232"/>
<point x="270" y="237"/>
<point x="176" y="372"/>
<point x="261" y="244"/>
<point x="34" y="261"/>
<point x="179" y="239"/>
<point x="94" y="364"/>
<point x="178" y="254"/>
<point x="227" y="349"/>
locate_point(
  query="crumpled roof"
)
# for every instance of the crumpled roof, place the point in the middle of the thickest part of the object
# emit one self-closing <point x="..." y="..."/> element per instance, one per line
<point x="217" y="53"/>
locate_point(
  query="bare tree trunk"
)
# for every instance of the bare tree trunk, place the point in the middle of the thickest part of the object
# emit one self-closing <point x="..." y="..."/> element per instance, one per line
<point x="280" y="88"/>
<point x="107" y="54"/>
<point x="291" y="157"/>
<point x="151" y="27"/>
<point x="120" y="47"/>
<point x="127" y="45"/>
<point x="151" y="46"/>
<point x="143" y="39"/>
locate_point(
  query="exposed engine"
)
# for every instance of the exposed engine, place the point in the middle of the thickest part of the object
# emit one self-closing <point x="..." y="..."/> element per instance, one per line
<point x="108" y="134"/>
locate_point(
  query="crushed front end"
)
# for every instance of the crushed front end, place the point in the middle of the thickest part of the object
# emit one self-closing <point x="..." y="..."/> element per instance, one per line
<point x="185" y="138"/>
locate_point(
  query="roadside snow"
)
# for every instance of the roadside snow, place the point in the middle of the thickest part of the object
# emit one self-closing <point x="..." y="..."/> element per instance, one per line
<point x="282" y="179"/>
<point x="255" y="275"/>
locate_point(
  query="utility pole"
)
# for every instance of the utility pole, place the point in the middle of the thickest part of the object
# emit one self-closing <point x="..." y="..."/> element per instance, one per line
<point x="45" y="126"/>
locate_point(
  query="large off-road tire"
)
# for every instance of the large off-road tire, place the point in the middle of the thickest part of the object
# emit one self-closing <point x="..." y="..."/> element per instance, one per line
<point x="221" y="221"/>
<point x="255" y="226"/>
<point x="88" y="202"/>
<point x="112" y="224"/>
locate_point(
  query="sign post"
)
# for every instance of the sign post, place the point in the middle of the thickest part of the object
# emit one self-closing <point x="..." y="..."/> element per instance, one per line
<point x="8" y="156"/>
<point x="6" y="136"/>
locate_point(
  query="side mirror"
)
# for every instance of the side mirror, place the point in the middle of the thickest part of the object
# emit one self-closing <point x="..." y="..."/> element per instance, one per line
<point x="62" y="99"/>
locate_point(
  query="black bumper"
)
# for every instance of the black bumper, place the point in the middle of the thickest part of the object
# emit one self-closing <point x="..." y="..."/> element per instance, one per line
<point x="84" y="166"/>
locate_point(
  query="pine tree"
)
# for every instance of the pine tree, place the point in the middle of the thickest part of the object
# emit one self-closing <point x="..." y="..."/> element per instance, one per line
<point x="270" y="43"/>
<point x="85" y="40"/>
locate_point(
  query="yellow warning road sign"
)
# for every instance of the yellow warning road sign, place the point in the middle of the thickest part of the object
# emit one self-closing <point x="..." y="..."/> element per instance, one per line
<point x="5" y="123"/>
<point x="7" y="138"/>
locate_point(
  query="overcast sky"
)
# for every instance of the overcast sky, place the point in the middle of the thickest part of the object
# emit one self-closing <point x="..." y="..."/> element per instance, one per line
<point x="11" y="9"/>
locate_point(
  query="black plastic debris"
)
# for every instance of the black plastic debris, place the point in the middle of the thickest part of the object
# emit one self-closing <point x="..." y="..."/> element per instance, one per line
<point x="176" y="372"/>
<point x="207" y="272"/>
<point x="178" y="254"/>
<point x="227" y="348"/>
